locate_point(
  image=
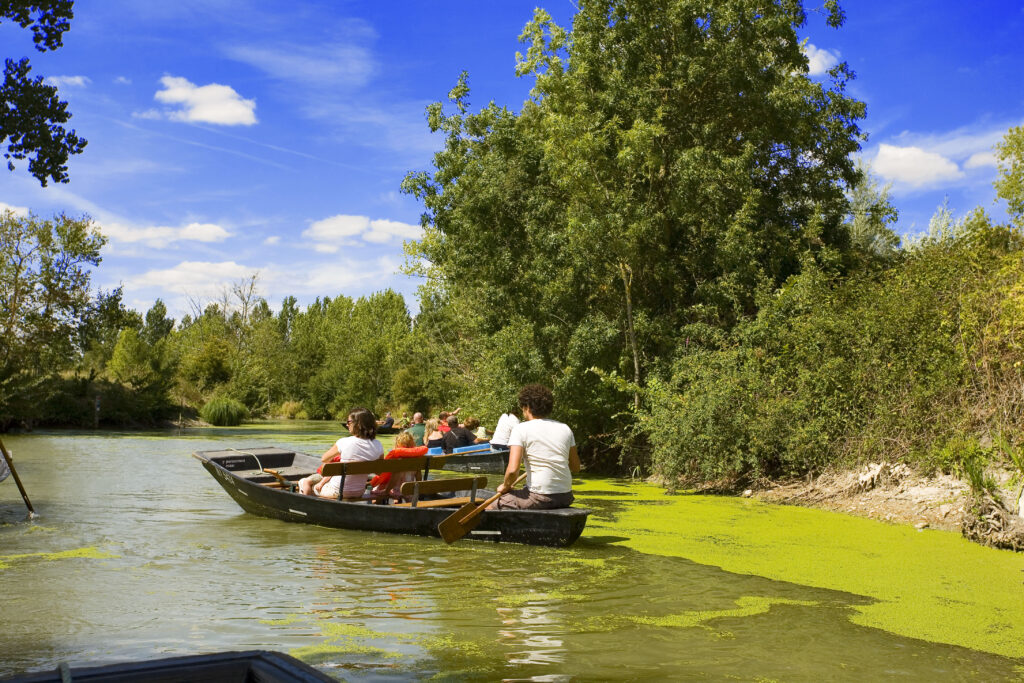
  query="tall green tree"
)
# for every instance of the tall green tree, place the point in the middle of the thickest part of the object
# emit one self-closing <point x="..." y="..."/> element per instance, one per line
<point x="44" y="292"/>
<point x="675" y="159"/>
<point x="31" y="113"/>
<point x="1010" y="183"/>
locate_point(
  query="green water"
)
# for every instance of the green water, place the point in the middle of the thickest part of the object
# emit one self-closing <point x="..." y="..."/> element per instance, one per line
<point x="138" y="553"/>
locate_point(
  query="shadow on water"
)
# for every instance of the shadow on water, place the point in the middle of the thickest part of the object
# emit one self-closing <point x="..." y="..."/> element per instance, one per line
<point x="153" y="559"/>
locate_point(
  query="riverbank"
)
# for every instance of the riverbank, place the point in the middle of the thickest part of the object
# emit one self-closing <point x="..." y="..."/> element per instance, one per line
<point x="897" y="494"/>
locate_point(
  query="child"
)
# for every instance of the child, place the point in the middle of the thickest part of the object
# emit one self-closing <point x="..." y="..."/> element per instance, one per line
<point x="405" y="447"/>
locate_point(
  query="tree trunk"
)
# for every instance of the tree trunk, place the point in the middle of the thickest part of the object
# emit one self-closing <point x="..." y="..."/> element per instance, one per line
<point x="627" y="282"/>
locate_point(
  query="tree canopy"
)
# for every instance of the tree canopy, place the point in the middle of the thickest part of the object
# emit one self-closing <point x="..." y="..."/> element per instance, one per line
<point x="674" y="161"/>
<point x="31" y="113"/>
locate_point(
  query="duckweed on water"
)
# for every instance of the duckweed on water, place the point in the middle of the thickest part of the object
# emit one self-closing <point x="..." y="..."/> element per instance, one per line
<point x="88" y="553"/>
<point x="931" y="585"/>
<point x="746" y="606"/>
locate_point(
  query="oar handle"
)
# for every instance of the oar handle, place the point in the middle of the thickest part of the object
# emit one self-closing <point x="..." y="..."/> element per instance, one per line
<point x="483" y="506"/>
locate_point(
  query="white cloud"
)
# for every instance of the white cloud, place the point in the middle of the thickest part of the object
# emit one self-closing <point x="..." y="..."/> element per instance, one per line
<point x="272" y="240"/>
<point x="20" y="211"/>
<point x="330" y="234"/>
<point x="213" y="103"/>
<point x="69" y="81"/>
<point x="914" y="166"/>
<point x="160" y="236"/>
<point x="980" y="160"/>
<point x="820" y="60"/>
<point x="198" y="278"/>
<point x="123" y="80"/>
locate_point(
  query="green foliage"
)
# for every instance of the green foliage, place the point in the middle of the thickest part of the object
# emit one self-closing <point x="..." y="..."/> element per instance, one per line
<point x="290" y="409"/>
<point x="224" y="412"/>
<point x="1010" y="183"/>
<point x="671" y="163"/>
<point x="30" y="111"/>
<point x="44" y="293"/>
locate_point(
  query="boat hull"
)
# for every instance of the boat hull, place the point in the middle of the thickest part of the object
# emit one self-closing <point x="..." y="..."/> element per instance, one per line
<point x="557" y="528"/>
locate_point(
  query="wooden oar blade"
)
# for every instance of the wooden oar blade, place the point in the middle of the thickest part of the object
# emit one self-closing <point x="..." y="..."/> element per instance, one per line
<point x="455" y="526"/>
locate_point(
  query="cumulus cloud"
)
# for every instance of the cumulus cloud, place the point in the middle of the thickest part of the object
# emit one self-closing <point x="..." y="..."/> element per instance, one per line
<point x="330" y="234"/>
<point x="21" y="211"/>
<point x="272" y="240"/>
<point x="159" y="236"/>
<point x="123" y="80"/>
<point x="914" y="166"/>
<point x="213" y="103"/>
<point x="820" y="60"/>
<point x="69" y="81"/>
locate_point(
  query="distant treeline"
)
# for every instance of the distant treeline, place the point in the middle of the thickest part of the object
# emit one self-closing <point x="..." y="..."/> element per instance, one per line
<point x="672" y="233"/>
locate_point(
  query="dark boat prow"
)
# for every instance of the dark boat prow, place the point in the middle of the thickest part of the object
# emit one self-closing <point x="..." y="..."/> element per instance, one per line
<point x="245" y="475"/>
<point x="262" y="666"/>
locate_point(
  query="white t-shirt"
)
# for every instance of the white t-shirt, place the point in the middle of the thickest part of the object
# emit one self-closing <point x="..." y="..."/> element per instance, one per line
<point x="503" y="429"/>
<point x="546" y="443"/>
<point x="353" y="449"/>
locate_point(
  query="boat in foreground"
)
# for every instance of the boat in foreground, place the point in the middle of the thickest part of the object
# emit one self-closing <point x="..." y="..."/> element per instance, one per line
<point x="245" y="475"/>
<point x="253" y="665"/>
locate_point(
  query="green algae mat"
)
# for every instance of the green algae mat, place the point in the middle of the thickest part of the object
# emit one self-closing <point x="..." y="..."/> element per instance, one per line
<point x="932" y="585"/>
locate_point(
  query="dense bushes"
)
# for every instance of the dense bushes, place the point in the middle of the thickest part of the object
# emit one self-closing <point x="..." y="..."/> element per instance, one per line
<point x="224" y="412"/>
<point x="892" y="364"/>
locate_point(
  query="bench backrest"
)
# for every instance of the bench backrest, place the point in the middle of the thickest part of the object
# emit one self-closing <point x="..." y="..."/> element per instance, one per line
<point x="415" y="489"/>
<point x="334" y="469"/>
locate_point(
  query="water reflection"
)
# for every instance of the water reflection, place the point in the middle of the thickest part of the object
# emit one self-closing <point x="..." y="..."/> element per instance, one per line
<point x="138" y="553"/>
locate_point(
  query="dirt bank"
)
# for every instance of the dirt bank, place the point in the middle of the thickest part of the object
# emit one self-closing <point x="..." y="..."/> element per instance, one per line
<point x="895" y="493"/>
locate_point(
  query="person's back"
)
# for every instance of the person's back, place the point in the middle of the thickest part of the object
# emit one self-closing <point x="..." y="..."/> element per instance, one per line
<point x="503" y="430"/>
<point x="417" y="429"/>
<point x="456" y="436"/>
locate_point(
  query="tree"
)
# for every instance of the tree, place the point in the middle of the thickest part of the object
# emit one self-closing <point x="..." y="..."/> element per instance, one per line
<point x="44" y="293"/>
<point x="674" y="162"/>
<point x="1010" y="183"/>
<point x="31" y="113"/>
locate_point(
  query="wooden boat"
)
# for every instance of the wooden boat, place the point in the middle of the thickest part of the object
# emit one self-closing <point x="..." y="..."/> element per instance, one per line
<point x="258" y="478"/>
<point x="240" y="667"/>
<point x="476" y="459"/>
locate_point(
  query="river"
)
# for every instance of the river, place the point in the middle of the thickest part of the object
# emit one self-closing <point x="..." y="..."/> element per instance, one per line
<point x="138" y="553"/>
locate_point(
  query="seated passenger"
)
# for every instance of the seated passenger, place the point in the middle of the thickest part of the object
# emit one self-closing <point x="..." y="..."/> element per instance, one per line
<point x="361" y="445"/>
<point x="480" y="434"/>
<point x="405" y="447"/>
<point x="551" y="459"/>
<point x="456" y="436"/>
<point x="387" y="422"/>
<point x="434" y="436"/>
<point x="503" y="430"/>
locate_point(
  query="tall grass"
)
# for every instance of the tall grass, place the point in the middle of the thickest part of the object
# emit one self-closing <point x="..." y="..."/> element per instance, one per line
<point x="224" y="412"/>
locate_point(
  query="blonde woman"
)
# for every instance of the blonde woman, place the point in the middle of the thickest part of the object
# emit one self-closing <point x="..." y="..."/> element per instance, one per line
<point x="434" y="438"/>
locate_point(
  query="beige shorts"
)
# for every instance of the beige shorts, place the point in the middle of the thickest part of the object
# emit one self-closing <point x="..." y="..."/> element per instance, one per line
<point x="524" y="499"/>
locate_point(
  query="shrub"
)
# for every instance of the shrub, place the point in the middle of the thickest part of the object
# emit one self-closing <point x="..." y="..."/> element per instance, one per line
<point x="224" y="412"/>
<point x="290" y="409"/>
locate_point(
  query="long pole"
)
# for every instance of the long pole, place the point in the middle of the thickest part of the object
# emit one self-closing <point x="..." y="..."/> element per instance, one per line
<point x="17" y="479"/>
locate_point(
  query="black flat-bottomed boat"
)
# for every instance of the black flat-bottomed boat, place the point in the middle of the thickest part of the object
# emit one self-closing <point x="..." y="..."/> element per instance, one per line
<point x="259" y="480"/>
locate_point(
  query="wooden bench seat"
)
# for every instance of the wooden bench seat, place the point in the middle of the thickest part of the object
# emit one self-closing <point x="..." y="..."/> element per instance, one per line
<point x="416" y="489"/>
<point x="343" y="469"/>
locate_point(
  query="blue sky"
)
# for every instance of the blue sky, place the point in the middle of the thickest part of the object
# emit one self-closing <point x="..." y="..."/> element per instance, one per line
<point x="229" y="137"/>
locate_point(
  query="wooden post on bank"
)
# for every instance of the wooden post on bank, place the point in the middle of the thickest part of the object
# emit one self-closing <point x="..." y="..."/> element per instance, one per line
<point x="17" y="479"/>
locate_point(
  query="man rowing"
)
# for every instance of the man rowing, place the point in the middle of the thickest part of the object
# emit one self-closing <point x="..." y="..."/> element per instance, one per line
<point x="549" y="449"/>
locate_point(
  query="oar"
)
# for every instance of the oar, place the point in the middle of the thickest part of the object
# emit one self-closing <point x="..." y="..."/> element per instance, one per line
<point x="17" y="480"/>
<point x="465" y="519"/>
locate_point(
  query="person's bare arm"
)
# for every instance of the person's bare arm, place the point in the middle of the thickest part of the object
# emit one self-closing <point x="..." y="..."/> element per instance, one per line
<point x="329" y="454"/>
<point x="574" y="460"/>
<point x="515" y="457"/>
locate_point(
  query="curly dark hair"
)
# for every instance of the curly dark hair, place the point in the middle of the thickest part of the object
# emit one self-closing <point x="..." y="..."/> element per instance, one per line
<point x="362" y="423"/>
<point x="537" y="398"/>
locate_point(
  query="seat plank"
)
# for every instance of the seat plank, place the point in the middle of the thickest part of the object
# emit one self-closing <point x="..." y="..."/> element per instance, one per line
<point x="410" y="488"/>
<point x="440" y="502"/>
